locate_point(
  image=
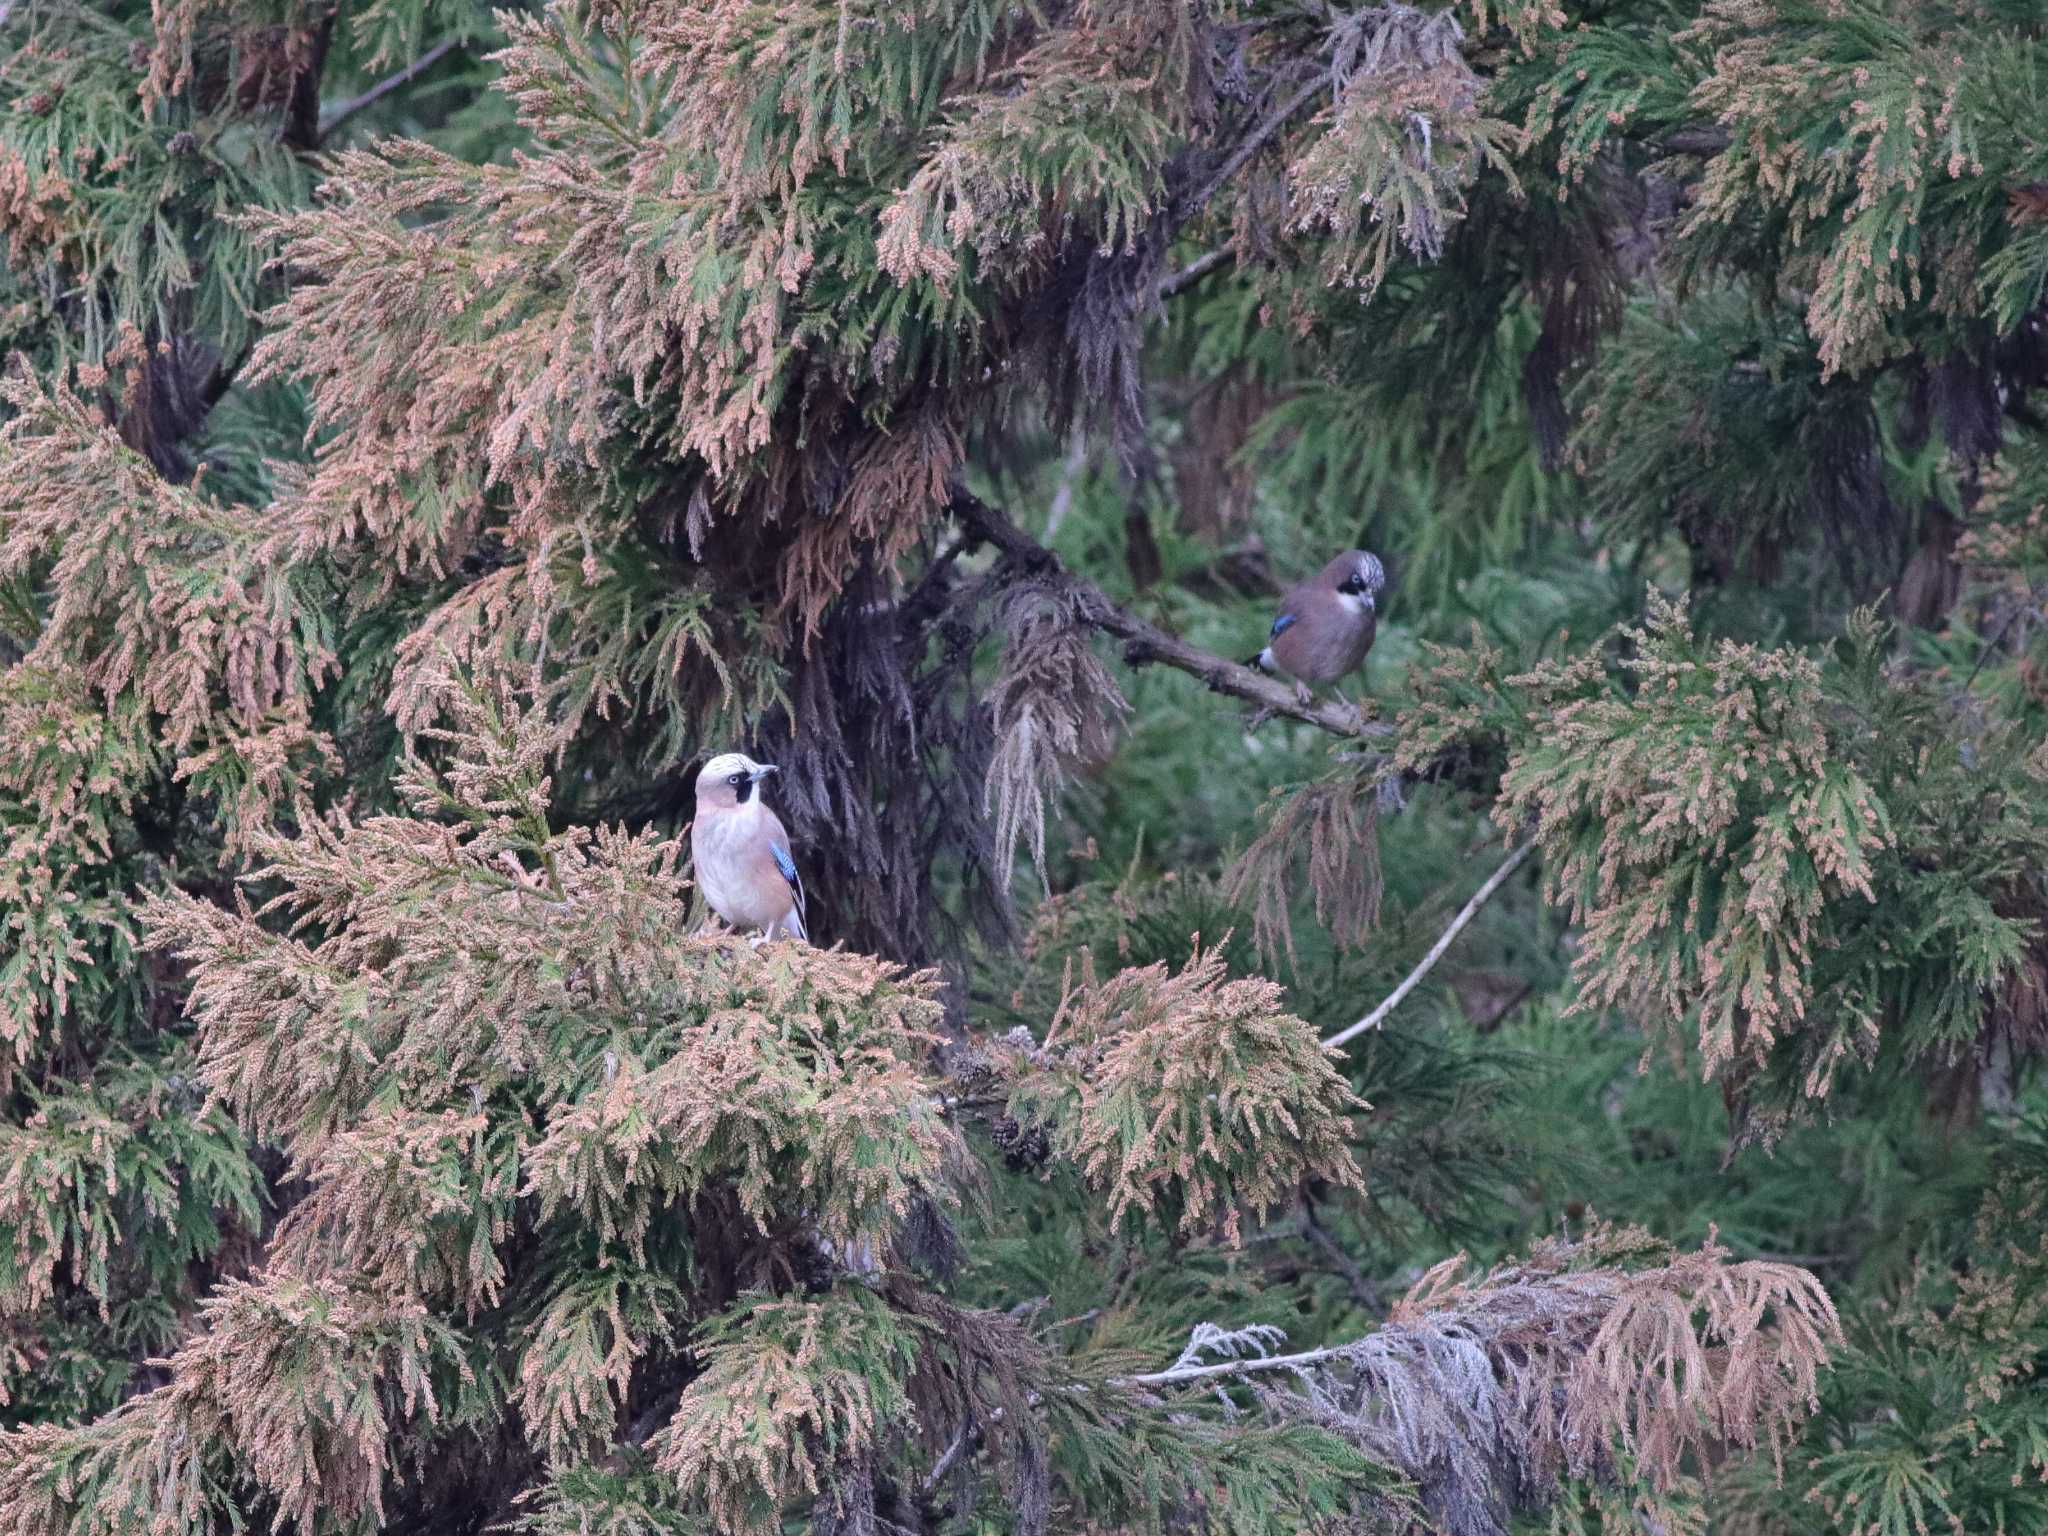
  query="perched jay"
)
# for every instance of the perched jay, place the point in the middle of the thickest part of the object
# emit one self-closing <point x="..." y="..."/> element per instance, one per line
<point x="1326" y="625"/>
<point x="742" y="852"/>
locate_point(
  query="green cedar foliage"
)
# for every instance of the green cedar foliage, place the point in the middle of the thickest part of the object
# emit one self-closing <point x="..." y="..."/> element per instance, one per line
<point x="1722" y="819"/>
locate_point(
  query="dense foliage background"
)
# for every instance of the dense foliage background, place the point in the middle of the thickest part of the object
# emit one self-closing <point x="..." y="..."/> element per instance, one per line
<point x="428" y="432"/>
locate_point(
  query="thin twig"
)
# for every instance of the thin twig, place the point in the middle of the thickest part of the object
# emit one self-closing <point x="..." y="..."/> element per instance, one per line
<point x="1465" y="915"/>
<point x="386" y="86"/>
<point x="1362" y="1290"/>
<point x="1984" y="654"/>
<point x="1063" y="498"/>
<point x="1145" y="642"/>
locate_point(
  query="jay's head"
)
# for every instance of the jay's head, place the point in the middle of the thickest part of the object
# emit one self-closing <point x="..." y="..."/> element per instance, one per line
<point x="1356" y="576"/>
<point x="730" y="779"/>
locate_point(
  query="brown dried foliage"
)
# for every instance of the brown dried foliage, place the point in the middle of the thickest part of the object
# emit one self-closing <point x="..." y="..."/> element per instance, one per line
<point x="790" y="1390"/>
<point x="32" y="208"/>
<point x="1702" y="828"/>
<point x="475" y="1029"/>
<point x="438" y="975"/>
<point x="1856" y="244"/>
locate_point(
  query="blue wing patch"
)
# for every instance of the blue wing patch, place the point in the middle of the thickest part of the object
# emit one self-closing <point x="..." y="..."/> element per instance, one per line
<point x="1282" y="622"/>
<point x="795" y="928"/>
<point x="787" y="865"/>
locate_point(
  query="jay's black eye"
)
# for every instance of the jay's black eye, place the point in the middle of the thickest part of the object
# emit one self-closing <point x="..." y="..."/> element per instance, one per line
<point x="736" y="780"/>
<point x="1353" y="584"/>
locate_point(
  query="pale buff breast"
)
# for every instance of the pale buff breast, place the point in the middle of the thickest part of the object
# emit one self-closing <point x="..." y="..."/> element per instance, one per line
<point x="726" y="848"/>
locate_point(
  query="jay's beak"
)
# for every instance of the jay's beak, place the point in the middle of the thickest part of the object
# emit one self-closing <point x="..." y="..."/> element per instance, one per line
<point x="764" y="770"/>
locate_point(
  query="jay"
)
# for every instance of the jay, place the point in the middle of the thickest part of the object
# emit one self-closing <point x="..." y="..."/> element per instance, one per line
<point x="1326" y="625"/>
<point x="741" y="851"/>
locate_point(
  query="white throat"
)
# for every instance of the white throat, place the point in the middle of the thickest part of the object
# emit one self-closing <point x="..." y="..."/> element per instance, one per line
<point x="746" y="813"/>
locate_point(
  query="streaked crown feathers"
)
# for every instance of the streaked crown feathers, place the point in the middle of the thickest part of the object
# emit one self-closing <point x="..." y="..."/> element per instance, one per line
<point x="1360" y="568"/>
<point x="724" y="766"/>
<point x="728" y="780"/>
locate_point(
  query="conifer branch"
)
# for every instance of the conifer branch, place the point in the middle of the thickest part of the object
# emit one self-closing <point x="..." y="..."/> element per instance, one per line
<point x="1362" y="1290"/>
<point x="1437" y="950"/>
<point x="1706" y="142"/>
<point x="1144" y="642"/>
<point x="1249" y="146"/>
<point x="386" y="86"/>
<point x="1236" y="161"/>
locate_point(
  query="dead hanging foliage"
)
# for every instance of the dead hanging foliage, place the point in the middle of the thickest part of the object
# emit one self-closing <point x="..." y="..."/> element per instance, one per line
<point x="1336" y="821"/>
<point x="1189" y="1091"/>
<point x="980" y="1377"/>
<point x="898" y="486"/>
<point x="1056" y="708"/>
<point x="1488" y="1390"/>
<point x="887" y="696"/>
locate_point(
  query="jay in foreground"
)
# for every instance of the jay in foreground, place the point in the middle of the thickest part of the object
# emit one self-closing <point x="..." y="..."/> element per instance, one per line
<point x="1327" y="624"/>
<point x="741" y="851"/>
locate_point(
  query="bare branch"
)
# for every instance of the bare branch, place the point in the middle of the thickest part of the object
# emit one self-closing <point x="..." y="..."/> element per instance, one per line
<point x="386" y="86"/>
<point x="1196" y="199"/>
<point x="1144" y="642"/>
<point x="1706" y="142"/>
<point x="1363" y="1291"/>
<point x="1247" y="147"/>
<point x="1195" y="271"/>
<point x="944" y="1464"/>
<point x="1179" y="1374"/>
<point x="1465" y="915"/>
